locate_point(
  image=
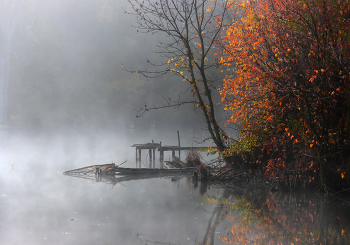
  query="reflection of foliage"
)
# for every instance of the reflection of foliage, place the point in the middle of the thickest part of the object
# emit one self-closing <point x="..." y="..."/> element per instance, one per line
<point x="287" y="219"/>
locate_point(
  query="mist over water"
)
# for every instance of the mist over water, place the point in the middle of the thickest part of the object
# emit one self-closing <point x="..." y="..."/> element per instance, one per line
<point x="40" y="205"/>
<point x="66" y="103"/>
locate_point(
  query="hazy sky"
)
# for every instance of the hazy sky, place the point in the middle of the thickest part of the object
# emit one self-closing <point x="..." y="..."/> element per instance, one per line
<point x="66" y="69"/>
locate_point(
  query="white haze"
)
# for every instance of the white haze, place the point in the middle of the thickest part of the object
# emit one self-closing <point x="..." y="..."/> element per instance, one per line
<point x="70" y="105"/>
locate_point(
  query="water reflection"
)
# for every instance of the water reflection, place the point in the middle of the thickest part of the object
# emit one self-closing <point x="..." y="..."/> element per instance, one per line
<point x="40" y="205"/>
<point x="243" y="216"/>
<point x="296" y="217"/>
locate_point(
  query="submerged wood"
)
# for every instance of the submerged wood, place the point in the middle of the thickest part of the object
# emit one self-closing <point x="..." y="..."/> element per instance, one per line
<point x="115" y="179"/>
<point x="175" y="164"/>
<point x="113" y="169"/>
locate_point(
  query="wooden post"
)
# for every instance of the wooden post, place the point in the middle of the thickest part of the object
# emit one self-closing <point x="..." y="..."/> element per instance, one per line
<point x="139" y="157"/>
<point x="154" y="154"/>
<point x="178" y="141"/>
<point x="161" y="158"/>
<point x="150" y="157"/>
<point x="173" y="155"/>
<point x="161" y="155"/>
<point x="136" y="157"/>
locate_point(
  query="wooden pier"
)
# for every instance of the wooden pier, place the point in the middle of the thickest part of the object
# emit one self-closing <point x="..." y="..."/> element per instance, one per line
<point x="152" y="147"/>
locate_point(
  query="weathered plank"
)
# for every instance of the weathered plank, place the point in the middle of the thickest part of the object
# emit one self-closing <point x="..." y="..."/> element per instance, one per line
<point x="155" y="171"/>
<point x="112" y="169"/>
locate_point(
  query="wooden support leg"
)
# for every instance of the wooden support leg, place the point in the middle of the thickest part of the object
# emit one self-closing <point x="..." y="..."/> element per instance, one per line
<point x="178" y="140"/>
<point x="161" y="158"/>
<point x="139" y="158"/>
<point x="150" y="158"/>
<point x="136" y="157"/>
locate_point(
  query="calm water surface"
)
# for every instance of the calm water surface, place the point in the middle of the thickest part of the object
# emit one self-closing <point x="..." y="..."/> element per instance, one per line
<point x="40" y="205"/>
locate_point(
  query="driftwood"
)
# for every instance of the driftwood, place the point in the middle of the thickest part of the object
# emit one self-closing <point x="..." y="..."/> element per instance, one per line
<point x="113" y="174"/>
<point x="113" y="169"/>
<point x="175" y="164"/>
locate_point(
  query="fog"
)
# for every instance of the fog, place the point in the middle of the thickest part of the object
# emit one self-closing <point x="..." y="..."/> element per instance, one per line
<point x="66" y="103"/>
<point x="65" y="71"/>
<point x="63" y="85"/>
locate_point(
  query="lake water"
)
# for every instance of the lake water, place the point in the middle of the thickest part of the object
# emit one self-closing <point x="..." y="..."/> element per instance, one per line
<point x="40" y="205"/>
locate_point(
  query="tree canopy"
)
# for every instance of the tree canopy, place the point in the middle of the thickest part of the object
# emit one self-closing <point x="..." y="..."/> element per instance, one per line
<point x="289" y="92"/>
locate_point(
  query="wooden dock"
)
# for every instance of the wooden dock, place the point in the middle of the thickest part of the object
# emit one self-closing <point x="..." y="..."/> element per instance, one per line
<point x="152" y="147"/>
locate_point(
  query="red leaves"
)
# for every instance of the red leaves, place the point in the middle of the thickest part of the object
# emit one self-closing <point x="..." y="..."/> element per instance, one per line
<point x="292" y="62"/>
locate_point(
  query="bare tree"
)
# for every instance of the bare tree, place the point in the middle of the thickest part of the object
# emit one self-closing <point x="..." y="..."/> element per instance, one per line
<point x="193" y="29"/>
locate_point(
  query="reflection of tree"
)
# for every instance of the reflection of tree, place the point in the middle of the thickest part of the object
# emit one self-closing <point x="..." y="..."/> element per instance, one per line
<point x="266" y="218"/>
<point x="217" y="216"/>
<point x="288" y="218"/>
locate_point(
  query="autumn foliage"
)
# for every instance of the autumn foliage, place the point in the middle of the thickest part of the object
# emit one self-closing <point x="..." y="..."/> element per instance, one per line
<point x="289" y="92"/>
<point x="282" y="218"/>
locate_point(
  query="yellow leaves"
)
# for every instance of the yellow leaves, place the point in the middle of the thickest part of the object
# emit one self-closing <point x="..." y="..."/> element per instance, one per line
<point x="311" y="145"/>
<point x="322" y="70"/>
<point x="342" y="175"/>
<point x="209" y="8"/>
<point x="170" y="60"/>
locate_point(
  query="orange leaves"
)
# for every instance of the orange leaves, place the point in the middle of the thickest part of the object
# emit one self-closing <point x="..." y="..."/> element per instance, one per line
<point x="312" y="78"/>
<point x="290" y="75"/>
